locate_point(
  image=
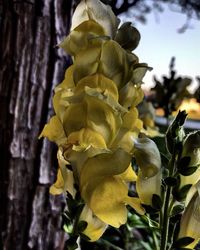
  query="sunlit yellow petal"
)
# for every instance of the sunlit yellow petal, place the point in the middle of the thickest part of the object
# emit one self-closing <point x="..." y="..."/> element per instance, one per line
<point x="130" y="95"/>
<point x="95" y="227"/>
<point x="100" y="83"/>
<point x="82" y="37"/>
<point x="54" y="131"/>
<point x="65" y="178"/>
<point x="104" y="202"/>
<point x="85" y="138"/>
<point x="105" y="165"/>
<point x="129" y="174"/>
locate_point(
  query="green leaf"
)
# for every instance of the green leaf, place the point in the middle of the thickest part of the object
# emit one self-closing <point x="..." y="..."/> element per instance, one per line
<point x="68" y="228"/>
<point x="184" y="162"/>
<point x="170" y="181"/>
<point x="180" y="194"/>
<point x="177" y="209"/>
<point x="84" y="237"/>
<point x="82" y="226"/>
<point x="164" y="160"/>
<point x="157" y="202"/>
<point x="182" y="242"/>
<point x="149" y="209"/>
<point x="160" y="142"/>
<point x="187" y="171"/>
<point x="71" y="243"/>
<point x="150" y="223"/>
<point x="175" y="132"/>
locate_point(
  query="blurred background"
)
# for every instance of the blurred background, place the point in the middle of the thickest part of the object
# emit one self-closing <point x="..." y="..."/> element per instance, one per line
<point x="31" y="65"/>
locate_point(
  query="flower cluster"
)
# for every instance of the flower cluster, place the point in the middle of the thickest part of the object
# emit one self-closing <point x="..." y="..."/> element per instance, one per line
<point x="96" y="122"/>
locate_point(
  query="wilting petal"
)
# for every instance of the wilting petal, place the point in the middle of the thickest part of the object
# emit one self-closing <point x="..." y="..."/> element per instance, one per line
<point x="54" y="131"/>
<point x="95" y="227"/>
<point x="97" y="11"/>
<point x="146" y="187"/>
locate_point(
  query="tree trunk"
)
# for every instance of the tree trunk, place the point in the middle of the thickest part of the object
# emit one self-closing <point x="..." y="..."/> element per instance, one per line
<point x="30" y="66"/>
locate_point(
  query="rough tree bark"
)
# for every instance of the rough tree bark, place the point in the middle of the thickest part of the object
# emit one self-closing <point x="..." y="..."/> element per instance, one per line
<point x="30" y="67"/>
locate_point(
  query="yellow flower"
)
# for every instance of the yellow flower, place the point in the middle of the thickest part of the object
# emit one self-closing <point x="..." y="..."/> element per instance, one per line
<point x="129" y="130"/>
<point x="96" y="122"/>
<point x="149" y="175"/>
<point x="147" y="115"/>
<point x="65" y="179"/>
<point x="83" y="36"/>
<point x="101" y="178"/>
<point x="95" y="227"/>
<point x="131" y="95"/>
<point x="100" y="83"/>
<point x="108" y="59"/>
<point x="54" y="131"/>
<point x="92" y="110"/>
<point x="146" y="187"/>
<point x="191" y="148"/>
<point x="97" y="11"/>
<point x="190" y="221"/>
<point x="147" y="156"/>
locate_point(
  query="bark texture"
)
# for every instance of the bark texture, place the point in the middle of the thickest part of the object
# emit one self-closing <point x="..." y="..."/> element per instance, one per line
<point x="30" y="67"/>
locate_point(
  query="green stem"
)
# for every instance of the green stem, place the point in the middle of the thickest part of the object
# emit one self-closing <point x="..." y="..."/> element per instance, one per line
<point x="166" y="215"/>
<point x="165" y="226"/>
<point x="155" y="239"/>
<point x="109" y="244"/>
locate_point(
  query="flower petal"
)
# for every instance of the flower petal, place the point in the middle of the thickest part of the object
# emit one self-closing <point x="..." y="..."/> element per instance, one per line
<point x="54" y="131"/>
<point x="95" y="227"/>
<point x="97" y="11"/>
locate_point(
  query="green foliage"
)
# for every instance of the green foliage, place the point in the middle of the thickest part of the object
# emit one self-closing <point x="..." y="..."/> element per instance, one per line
<point x="157" y="202"/>
<point x="180" y="194"/>
<point x="183" y="242"/>
<point x="175" y="133"/>
<point x="177" y="210"/>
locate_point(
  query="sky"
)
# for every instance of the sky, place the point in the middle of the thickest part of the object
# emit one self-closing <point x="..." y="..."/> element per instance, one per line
<point x="160" y="41"/>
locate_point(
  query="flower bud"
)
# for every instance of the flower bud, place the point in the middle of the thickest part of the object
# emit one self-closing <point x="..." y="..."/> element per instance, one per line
<point x="191" y="148"/>
<point x="128" y="36"/>
<point x="175" y="132"/>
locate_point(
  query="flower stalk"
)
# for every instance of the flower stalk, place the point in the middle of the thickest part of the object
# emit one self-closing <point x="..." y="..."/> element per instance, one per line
<point x="167" y="205"/>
